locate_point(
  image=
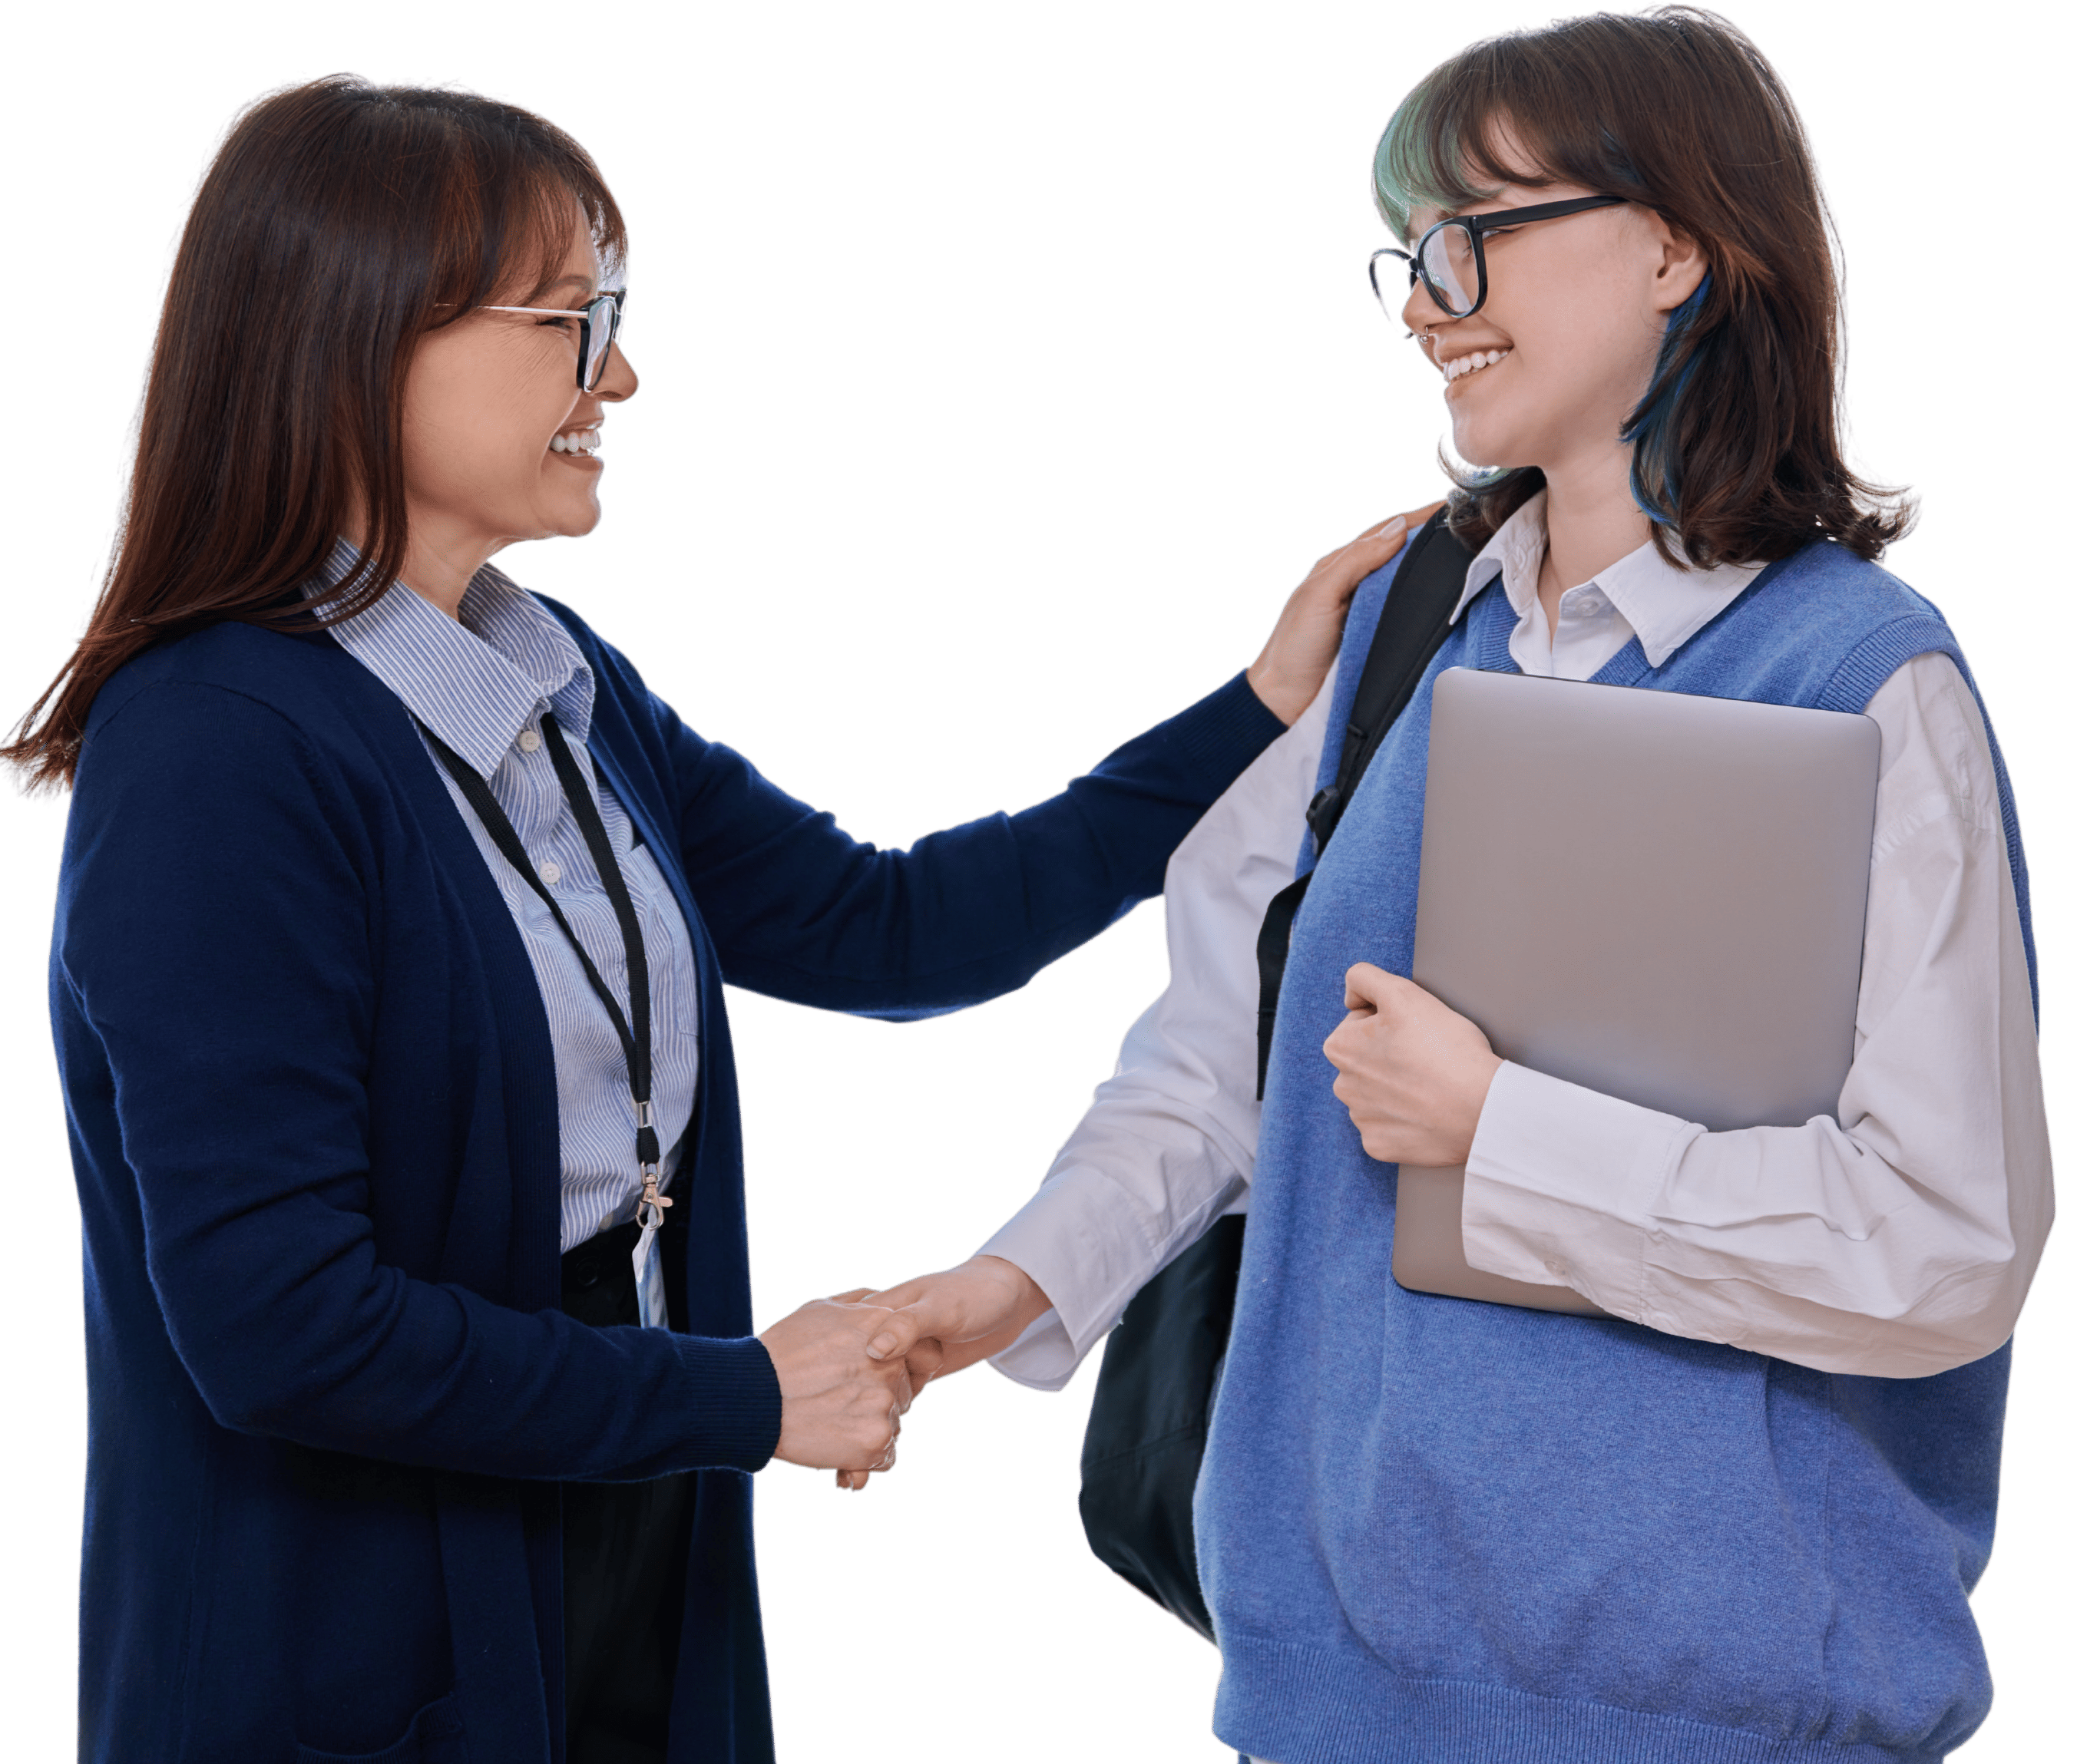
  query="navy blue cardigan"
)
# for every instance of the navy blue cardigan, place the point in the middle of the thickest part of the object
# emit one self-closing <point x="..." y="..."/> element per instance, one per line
<point x="312" y="1105"/>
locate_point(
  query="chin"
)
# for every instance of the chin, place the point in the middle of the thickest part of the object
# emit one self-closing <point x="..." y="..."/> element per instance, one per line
<point x="1485" y="446"/>
<point x="578" y="521"/>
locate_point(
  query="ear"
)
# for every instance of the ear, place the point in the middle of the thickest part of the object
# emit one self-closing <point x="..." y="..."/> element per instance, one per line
<point x="1680" y="265"/>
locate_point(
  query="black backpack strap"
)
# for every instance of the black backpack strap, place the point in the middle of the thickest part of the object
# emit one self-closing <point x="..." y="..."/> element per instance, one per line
<point x="1410" y="629"/>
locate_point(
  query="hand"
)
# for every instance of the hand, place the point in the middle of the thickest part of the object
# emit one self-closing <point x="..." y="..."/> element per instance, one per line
<point x="1287" y="675"/>
<point x="840" y="1409"/>
<point x="1413" y="1073"/>
<point x="942" y="1323"/>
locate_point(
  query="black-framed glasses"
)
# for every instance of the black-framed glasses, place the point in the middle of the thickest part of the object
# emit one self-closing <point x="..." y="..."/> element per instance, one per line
<point x="599" y="325"/>
<point x="1449" y="261"/>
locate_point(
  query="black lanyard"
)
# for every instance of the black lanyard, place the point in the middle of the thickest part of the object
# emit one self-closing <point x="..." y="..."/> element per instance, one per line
<point x="634" y="1041"/>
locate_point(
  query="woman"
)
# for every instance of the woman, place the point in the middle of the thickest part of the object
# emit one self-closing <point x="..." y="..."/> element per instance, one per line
<point x="1741" y="1517"/>
<point x="392" y="925"/>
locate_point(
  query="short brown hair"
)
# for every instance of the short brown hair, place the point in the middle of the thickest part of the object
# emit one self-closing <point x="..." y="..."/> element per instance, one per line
<point x="1735" y="444"/>
<point x="339" y="222"/>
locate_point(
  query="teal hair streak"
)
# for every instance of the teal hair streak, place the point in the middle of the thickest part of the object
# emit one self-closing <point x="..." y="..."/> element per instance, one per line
<point x="1654" y="454"/>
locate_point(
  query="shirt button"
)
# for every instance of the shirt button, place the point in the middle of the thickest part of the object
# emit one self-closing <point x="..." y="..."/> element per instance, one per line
<point x="551" y="873"/>
<point x="528" y="741"/>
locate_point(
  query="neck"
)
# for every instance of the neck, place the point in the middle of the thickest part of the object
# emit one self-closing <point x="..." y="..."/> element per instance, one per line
<point x="1592" y="521"/>
<point x="440" y="562"/>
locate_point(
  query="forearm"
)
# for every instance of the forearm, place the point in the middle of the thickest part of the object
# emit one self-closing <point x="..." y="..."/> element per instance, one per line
<point x="500" y="1393"/>
<point x="1115" y="1210"/>
<point x="1802" y="1242"/>
<point x="1896" y="1236"/>
<point x="1169" y="1143"/>
<point x="290" y="1327"/>
<point x="802" y="911"/>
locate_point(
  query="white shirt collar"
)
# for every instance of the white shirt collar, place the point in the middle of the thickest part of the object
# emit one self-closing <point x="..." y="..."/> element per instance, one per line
<point x="475" y="682"/>
<point x="1663" y="604"/>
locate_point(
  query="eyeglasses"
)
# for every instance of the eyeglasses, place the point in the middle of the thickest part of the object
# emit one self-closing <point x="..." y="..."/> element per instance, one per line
<point x="1449" y="261"/>
<point x="599" y="324"/>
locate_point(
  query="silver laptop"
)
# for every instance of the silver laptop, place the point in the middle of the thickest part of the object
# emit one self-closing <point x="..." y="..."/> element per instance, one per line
<point x="1656" y="896"/>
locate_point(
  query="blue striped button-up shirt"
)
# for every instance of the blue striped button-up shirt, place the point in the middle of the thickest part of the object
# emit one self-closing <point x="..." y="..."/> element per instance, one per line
<point x="481" y="686"/>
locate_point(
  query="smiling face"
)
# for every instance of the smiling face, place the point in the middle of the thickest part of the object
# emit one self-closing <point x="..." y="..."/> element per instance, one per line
<point x="1547" y="372"/>
<point x="500" y="443"/>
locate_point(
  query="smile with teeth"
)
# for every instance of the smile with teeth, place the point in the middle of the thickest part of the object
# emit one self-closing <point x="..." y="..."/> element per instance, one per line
<point x="583" y="441"/>
<point x="1471" y="364"/>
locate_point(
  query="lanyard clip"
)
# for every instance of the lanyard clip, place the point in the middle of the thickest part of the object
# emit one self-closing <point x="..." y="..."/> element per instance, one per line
<point x="649" y="1210"/>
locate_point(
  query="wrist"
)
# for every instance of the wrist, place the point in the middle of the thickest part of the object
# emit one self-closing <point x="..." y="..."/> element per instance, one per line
<point x="1280" y="701"/>
<point x="1027" y="1301"/>
<point x="1475" y="1092"/>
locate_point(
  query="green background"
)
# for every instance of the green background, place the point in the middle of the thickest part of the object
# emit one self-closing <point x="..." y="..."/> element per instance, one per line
<point x="1002" y="370"/>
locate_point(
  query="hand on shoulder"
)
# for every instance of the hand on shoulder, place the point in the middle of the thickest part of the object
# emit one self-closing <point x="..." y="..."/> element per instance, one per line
<point x="1288" y="673"/>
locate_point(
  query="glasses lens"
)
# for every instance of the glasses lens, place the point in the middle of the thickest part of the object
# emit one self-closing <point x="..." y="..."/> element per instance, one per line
<point x="1449" y="266"/>
<point x="602" y="320"/>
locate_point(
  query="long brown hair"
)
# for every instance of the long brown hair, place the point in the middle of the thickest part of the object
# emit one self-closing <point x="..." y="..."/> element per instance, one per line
<point x="1735" y="444"/>
<point x="339" y="222"/>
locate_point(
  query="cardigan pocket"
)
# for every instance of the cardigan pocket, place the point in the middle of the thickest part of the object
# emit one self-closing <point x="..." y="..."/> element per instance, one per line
<point x="434" y="1736"/>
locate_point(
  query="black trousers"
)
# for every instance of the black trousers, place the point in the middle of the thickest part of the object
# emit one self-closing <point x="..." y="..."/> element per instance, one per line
<point x="624" y="1548"/>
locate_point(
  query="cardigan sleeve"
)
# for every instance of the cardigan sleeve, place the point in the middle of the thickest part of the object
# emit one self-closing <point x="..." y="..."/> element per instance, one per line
<point x="801" y="910"/>
<point x="216" y="987"/>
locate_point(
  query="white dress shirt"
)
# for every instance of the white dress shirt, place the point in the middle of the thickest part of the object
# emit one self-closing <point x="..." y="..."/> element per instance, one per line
<point x="1897" y="1239"/>
<point x="481" y="681"/>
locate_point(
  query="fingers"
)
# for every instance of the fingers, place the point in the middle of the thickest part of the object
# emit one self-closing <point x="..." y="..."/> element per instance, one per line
<point x="858" y="1300"/>
<point x="1397" y="526"/>
<point x="1345" y="569"/>
<point x="1370" y="550"/>
<point x="904" y="1394"/>
<point x="1394" y="528"/>
<point x="838" y="1408"/>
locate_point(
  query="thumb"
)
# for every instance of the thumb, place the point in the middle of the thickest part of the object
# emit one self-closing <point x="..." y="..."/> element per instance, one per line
<point x="902" y="1330"/>
<point x="1365" y="988"/>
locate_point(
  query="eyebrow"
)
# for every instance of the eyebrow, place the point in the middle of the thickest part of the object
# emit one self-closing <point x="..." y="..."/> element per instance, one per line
<point x="564" y="281"/>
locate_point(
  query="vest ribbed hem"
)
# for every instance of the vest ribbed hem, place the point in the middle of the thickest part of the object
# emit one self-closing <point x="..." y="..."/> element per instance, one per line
<point x="1299" y="1705"/>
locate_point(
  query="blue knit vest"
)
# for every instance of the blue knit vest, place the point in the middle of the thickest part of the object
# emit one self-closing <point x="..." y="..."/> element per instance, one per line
<point x="1447" y="1533"/>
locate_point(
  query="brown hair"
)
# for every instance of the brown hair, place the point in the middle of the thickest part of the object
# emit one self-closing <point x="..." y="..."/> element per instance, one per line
<point x="1735" y="444"/>
<point x="339" y="222"/>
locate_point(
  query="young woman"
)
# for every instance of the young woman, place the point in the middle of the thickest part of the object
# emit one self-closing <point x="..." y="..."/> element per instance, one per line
<point x="392" y="930"/>
<point x="1740" y="1518"/>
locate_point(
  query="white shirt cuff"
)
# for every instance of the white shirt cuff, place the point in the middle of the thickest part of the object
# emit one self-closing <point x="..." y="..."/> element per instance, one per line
<point x="1081" y="1237"/>
<point x="1044" y="1358"/>
<point x="1560" y="1184"/>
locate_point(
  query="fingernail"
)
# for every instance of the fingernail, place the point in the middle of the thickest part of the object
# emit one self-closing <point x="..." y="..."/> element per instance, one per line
<point x="879" y="1347"/>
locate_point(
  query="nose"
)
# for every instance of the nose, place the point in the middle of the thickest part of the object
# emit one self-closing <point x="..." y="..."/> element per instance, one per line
<point x="1421" y="313"/>
<point x="619" y="381"/>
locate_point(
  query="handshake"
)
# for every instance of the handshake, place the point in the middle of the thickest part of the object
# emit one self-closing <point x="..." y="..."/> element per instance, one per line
<point x="849" y="1366"/>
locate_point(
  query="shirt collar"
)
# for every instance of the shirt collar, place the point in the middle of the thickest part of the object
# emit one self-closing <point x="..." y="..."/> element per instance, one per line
<point x="1664" y="605"/>
<point x="476" y="683"/>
